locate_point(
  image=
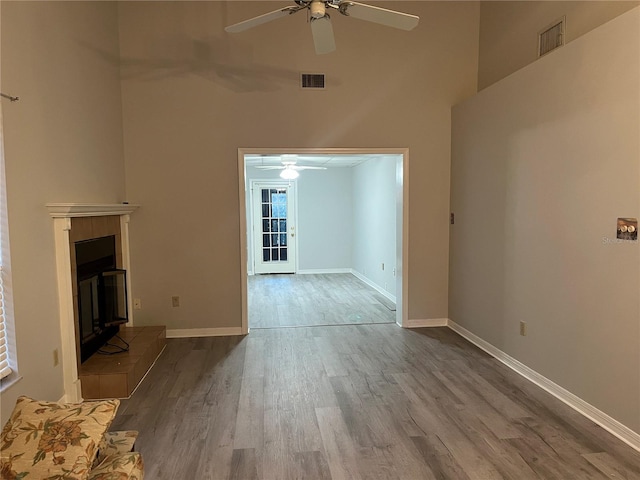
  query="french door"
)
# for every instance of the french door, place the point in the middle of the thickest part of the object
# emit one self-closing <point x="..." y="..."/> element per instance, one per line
<point x="274" y="242"/>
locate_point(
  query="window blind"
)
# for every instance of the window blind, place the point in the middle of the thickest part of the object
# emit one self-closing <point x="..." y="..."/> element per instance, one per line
<point x="5" y="369"/>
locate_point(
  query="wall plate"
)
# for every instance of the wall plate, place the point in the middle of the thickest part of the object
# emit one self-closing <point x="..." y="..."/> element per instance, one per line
<point x="627" y="229"/>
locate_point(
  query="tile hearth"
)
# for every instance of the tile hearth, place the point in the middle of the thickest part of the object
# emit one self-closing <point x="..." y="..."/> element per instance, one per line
<point x="117" y="376"/>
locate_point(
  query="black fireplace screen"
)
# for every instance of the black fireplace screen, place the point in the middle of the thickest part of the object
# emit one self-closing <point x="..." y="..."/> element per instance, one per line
<point x="102" y="294"/>
<point x="114" y="289"/>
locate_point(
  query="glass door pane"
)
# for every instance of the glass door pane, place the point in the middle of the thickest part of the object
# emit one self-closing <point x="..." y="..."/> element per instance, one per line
<point x="274" y="224"/>
<point x="273" y="209"/>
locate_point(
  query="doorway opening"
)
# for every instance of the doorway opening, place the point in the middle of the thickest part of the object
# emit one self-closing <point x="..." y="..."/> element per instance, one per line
<point x="341" y="227"/>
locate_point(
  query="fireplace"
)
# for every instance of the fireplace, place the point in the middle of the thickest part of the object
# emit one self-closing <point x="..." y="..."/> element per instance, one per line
<point x="102" y="294"/>
<point x="74" y="223"/>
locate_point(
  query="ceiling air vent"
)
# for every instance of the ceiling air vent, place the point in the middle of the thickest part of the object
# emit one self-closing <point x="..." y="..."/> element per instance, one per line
<point x="312" y="80"/>
<point x="551" y="37"/>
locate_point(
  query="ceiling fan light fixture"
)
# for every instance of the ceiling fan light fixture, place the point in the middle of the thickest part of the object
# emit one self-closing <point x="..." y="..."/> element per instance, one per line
<point x="289" y="173"/>
<point x="317" y="9"/>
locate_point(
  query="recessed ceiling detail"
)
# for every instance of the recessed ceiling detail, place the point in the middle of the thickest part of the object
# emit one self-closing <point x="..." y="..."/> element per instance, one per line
<point x="328" y="161"/>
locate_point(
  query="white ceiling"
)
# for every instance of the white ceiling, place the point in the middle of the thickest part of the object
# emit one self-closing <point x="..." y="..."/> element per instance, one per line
<point x="328" y="161"/>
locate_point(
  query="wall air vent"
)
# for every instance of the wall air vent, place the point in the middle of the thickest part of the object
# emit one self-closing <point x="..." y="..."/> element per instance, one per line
<point x="312" y="80"/>
<point x="551" y="37"/>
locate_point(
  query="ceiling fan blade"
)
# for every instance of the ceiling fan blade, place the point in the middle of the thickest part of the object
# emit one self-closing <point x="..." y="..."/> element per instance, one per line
<point x="303" y="167"/>
<point x="261" y="19"/>
<point x="322" y="32"/>
<point x="268" y="167"/>
<point x="390" y="18"/>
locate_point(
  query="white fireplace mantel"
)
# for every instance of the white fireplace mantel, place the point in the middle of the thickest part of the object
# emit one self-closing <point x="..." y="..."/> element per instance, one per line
<point x="70" y="210"/>
<point x="62" y="213"/>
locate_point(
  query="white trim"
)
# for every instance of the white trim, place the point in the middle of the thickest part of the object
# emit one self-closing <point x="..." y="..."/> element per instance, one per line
<point x="71" y="382"/>
<point x="402" y="218"/>
<point x="611" y="425"/>
<point x="8" y="382"/>
<point x="426" y="322"/>
<point x="68" y="210"/>
<point x="322" y="271"/>
<point x="204" y="332"/>
<point x="75" y="395"/>
<point x="244" y="261"/>
<point x="126" y="263"/>
<point x="373" y="285"/>
<point x="402" y="238"/>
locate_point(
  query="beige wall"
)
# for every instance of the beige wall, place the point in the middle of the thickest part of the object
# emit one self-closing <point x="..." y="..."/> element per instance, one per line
<point x="63" y="143"/>
<point x="192" y="95"/>
<point x="543" y="163"/>
<point x="509" y="30"/>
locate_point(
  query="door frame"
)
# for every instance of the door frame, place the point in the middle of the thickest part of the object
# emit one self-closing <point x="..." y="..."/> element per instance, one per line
<point x="293" y="197"/>
<point x="402" y="219"/>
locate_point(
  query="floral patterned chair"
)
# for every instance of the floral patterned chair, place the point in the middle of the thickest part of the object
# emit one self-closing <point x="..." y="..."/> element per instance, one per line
<point x="51" y="441"/>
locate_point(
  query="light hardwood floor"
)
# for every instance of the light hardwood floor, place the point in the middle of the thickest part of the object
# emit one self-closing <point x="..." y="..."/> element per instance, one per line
<point x="357" y="402"/>
<point x="311" y="300"/>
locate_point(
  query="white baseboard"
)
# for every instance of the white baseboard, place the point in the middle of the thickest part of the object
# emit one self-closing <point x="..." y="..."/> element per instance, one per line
<point x="204" y="332"/>
<point x="320" y="271"/>
<point x="611" y="425"/>
<point x="373" y="285"/>
<point x="426" y="322"/>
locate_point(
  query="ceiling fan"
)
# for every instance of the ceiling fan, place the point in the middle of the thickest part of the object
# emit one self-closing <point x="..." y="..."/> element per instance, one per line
<point x="321" y="28"/>
<point x="290" y="170"/>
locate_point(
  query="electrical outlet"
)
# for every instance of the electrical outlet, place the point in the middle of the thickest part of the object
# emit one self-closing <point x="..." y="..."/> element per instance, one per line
<point x="523" y="329"/>
<point x="137" y="304"/>
<point x="383" y="266"/>
<point x="175" y="301"/>
<point x="56" y="358"/>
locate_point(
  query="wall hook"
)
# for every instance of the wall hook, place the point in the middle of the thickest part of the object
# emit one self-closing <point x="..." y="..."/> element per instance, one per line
<point x="13" y="99"/>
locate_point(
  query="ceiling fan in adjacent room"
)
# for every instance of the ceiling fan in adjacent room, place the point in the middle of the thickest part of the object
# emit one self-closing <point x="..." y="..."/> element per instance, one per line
<point x="289" y="167"/>
<point x="321" y="27"/>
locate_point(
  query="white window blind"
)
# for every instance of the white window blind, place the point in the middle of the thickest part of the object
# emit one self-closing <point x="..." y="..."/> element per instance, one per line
<point x="5" y="360"/>
<point x="5" y="369"/>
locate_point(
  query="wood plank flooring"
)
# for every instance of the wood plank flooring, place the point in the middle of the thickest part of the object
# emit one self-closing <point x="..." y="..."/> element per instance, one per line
<point x="311" y="300"/>
<point x="357" y="402"/>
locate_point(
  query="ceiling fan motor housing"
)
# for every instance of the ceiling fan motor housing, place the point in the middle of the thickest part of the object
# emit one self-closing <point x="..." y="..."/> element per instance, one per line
<point x="317" y="9"/>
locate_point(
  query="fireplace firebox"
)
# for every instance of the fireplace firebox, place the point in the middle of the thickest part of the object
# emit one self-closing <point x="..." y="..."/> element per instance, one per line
<point x="102" y="294"/>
